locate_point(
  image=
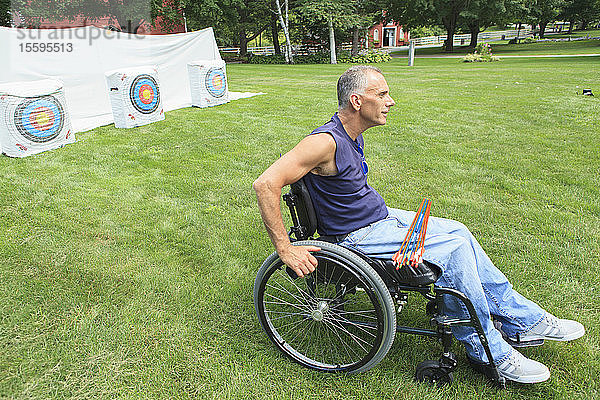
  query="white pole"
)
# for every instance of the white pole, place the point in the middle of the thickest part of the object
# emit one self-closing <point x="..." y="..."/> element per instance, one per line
<point x="411" y="53"/>
<point x="184" y="21"/>
<point x="331" y="41"/>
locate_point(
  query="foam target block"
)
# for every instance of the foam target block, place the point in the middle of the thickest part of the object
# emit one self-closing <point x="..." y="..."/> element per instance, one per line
<point x="208" y="83"/>
<point x="33" y="117"/>
<point x="135" y="96"/>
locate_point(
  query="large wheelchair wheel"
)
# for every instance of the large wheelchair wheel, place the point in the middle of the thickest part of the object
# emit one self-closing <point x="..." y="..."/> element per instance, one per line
<point x="340" y="317"/>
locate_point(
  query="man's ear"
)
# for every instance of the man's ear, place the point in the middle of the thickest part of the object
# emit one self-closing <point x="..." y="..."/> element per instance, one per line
<point x="355" y="101"/>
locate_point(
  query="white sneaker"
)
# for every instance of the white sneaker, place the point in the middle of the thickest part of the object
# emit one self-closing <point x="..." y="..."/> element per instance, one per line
<point x="552" y="328"/>
<point x="521" y="369"/>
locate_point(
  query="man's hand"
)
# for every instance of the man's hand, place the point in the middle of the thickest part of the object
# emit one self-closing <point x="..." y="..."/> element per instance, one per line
<point x="299" y="259"/>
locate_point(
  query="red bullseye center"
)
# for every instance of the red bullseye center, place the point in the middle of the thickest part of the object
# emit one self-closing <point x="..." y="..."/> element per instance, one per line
<point x="146" y="94"/>
<point x="217" y="82"/>
<point x="41" y="118"/>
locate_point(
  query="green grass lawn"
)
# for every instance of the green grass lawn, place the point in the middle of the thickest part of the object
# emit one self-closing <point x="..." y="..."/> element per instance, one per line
<point x="501" y="48"/>
<point x="127" y="259"/>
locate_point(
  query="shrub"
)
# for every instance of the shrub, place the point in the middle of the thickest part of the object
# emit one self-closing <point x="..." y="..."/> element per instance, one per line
<point x="371" y="56"/>
<point x="262" y="59"/>
<point x="233" y="57"/>
<point x="484" y="49"/>
<point x="316" y="58"/>
<point x="526" y="40"/>
<point x="482" y="53"/>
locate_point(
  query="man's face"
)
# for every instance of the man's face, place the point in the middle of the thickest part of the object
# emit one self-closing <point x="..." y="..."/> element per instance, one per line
<point x="376" y="101"/>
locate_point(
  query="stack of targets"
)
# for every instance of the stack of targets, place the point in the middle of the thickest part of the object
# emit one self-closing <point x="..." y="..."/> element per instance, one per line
<point x="33" y="117"/>
<point x="135" y="96"/>
<point x="208" y="83"/>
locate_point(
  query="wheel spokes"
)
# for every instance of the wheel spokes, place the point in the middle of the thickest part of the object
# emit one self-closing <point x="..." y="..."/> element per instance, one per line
<point x="321" y="318"/>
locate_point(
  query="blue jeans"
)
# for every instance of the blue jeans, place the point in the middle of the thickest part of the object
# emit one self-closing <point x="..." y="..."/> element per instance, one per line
<point x="465" y="267"/>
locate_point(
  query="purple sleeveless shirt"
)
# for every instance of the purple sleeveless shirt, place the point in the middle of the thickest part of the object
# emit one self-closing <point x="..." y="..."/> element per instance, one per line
<point x="344" y="202"/>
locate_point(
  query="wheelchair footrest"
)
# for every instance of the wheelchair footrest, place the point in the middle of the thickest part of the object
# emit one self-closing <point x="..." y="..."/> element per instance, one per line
<point x="519" y="344"/>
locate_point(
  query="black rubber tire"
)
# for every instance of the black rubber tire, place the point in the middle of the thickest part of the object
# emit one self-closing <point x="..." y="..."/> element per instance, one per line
<point x="433" y="373"/>
<point x="329" y="306"/>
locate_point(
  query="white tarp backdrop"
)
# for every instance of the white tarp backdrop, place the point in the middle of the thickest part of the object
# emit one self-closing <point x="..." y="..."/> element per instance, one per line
<point x="81" y="56"/>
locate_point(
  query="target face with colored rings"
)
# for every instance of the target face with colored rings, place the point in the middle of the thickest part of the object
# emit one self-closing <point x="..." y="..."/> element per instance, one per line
<point x="41" y="119"/>
<point x="216" y="82"/>
<point x="144" y="94"/>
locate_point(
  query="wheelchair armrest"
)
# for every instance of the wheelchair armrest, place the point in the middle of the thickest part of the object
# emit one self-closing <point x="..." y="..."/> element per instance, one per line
<point x="424" y="274"/>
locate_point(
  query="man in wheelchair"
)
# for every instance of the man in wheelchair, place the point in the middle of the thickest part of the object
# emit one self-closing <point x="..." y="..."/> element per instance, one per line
<point x="351" y="213"/>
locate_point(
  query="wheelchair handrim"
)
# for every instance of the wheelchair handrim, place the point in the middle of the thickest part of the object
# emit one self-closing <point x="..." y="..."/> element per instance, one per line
<point x="291" y="351"/>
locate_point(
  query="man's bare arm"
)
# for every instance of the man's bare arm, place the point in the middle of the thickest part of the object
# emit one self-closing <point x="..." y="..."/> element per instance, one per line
<point x="312" y="152"/>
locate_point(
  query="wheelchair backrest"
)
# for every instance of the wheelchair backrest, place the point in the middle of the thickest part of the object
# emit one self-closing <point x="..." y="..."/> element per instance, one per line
<point x="302" y="211"/>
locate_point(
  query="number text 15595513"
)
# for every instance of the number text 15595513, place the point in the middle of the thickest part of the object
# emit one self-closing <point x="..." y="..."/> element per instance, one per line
<point x="34" y="47"/>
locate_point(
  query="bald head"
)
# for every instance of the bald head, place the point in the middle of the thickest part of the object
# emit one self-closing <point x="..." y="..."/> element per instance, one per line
<point x="353" y="81"/>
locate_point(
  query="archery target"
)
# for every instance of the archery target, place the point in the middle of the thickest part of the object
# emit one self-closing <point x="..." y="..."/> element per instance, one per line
<point x="135" y="96"/>
<point x="144" y="94"/>
<point x="39" y="120"/>
<point x="208" y="83"/>
<point x="215" y="81"/>
<point x="32" y="124"/>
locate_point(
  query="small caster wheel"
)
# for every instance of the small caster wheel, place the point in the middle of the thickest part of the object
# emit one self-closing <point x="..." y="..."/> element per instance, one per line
<point x="434" y="373"/>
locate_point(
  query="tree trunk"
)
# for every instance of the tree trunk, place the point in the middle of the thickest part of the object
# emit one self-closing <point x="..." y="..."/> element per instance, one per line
<point x="449" y="43"/>
<point x="355" y="38"/>
<point x="331" y="40"/>
<point x="543" y="29"/>
<point x="571" y="23"/>
<point x="450" y="25"/>
<point x="275" y="30"/>
<point x="243" y="43"/>
<point x="289" y="58"/>
<point x="474" y="28"/>
<point x="584" y="24"/>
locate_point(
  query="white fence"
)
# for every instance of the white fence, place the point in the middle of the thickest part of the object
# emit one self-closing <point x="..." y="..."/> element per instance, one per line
<point x="269" y="50"/>
<point x="466" y="38"/>
<point x="422" y="41"/>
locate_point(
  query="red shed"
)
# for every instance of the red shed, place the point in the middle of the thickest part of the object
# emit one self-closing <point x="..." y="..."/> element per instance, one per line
<point x="389" y="35"/>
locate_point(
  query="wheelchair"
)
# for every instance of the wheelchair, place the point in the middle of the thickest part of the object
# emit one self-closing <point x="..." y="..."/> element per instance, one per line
<point x="342" y="316"/>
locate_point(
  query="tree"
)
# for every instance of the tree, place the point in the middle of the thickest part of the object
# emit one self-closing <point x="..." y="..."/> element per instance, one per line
<point x="129" y="14"/>
<point x="481" y="14"/>
<point x="517" y="11"/>
<point x="327" y="12"/>
<point x="282" y="15"/>
<point x="5" y="13"/>
<point x="366" y="12"/>
<point x="275" y="28"/>
<point x="580" y="10"/>
<point x="347" y="18"/>
<point x="544" y="11"/>
<point x="236" y="22"/>
<point x="428" y="12"/>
